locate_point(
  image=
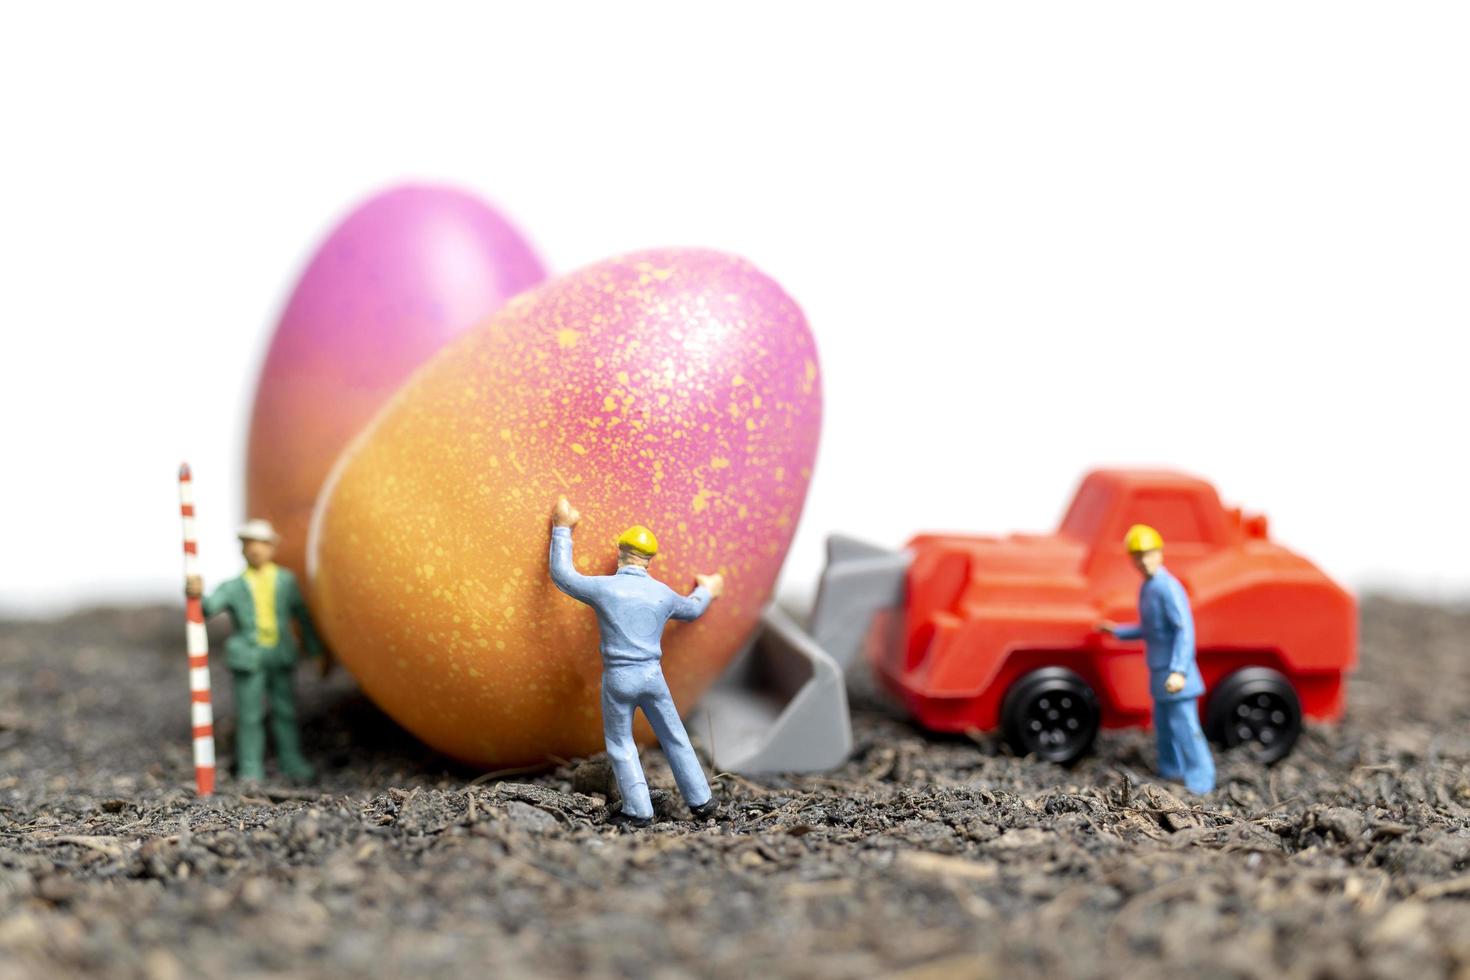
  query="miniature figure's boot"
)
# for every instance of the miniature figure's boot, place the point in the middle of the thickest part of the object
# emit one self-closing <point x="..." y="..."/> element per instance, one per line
<point x="1191" y="747"/>
<point x="249" y="725"/>
<point x="706" y="811"/>
<point x="283" y="725"/>
<point x="620" y="819"/>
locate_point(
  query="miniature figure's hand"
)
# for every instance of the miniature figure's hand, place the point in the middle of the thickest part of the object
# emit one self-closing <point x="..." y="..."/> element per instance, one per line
<point x="1106" y="626"/>
<point x="564" y="515"/>
<point x="193" y="586"/>
<point x="714" y="583"/>
<point x="1174" y="683"/>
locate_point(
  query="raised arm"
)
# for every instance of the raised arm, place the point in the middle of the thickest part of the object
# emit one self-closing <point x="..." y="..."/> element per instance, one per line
<point x="566" y="577"/>
<point x="691" y="606"/>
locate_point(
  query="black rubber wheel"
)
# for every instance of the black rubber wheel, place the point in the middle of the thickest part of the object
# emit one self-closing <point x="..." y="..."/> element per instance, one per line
<point x="1257" y="709"/>
<point x="1052" y="714"/>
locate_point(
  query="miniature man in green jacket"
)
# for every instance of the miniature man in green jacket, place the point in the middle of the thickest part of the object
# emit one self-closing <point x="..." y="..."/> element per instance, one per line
<point x="262" y="652"/>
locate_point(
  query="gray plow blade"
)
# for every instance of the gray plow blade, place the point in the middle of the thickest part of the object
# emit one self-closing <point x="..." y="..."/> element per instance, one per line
<point x="860" y="580"/>
<point x="781" y="707"/>
<point x="782" y="704"/>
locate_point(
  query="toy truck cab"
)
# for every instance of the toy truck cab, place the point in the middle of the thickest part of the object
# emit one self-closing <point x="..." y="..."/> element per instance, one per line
<point x="1000" y="632"/>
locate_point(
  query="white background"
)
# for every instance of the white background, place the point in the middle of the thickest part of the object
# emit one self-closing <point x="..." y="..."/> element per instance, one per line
<point x="1030" y="238"/>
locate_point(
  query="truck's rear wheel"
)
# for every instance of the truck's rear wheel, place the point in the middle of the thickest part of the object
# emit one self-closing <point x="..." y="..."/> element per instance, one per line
<point x="1050" y="713"/>
<point x="1255" y="707"/>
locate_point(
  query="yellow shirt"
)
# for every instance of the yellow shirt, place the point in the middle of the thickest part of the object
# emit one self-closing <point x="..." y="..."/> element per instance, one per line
<point x="262" y="582"/>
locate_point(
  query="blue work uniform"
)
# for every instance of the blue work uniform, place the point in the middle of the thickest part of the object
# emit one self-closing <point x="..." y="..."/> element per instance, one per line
<point x="1167" y="629"/>
<point x="632" y="608"/>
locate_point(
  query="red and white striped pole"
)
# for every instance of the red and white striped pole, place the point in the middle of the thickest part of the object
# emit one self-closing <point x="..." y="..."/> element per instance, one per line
<point x="201" y="711"/>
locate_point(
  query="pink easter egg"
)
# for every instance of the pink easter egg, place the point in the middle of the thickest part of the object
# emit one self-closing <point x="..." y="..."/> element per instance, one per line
<point x="407" y="271"/>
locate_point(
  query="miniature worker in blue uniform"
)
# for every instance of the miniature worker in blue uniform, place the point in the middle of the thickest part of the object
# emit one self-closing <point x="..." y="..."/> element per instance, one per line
<point x="1167" y="628"/>
<point x="632" y="608"/>
<point x="262" y="652"/>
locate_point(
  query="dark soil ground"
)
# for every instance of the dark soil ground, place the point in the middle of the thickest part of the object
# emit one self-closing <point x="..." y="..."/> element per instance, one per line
<point x="921" y="858"/>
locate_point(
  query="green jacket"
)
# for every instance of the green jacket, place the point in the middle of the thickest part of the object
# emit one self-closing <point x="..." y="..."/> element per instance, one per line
<point x="242" y="652"/>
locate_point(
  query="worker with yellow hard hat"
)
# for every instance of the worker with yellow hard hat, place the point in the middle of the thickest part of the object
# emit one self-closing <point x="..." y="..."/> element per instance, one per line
<point x="263" y="602"/>
<point x="1166" y="626"/>
<point x="632" y="608"/>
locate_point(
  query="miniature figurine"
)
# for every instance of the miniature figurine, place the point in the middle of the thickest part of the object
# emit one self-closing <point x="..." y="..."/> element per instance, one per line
<point x="262" y="652"/>
<point x="1167" y="627"/>
<point x="632" y="608"/>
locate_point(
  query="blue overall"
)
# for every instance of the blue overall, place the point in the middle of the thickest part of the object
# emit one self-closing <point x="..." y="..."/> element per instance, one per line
<point x="1167" y="629"/>
<point x="632" y="608"/>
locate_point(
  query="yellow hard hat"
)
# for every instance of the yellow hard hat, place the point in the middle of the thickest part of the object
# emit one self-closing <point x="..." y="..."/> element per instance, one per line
<point x="640" y="539"/>
<point x="1141" y="537"/>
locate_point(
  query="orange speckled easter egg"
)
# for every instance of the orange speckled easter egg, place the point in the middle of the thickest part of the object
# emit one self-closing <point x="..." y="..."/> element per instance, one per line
<point x="674" y="388"/>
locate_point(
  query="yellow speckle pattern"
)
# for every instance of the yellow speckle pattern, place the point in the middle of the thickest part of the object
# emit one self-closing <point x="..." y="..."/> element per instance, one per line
<point x="675" y="389"/>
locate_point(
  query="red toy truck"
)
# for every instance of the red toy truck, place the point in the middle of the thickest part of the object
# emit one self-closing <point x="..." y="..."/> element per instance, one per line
<point x="999" y="632"/>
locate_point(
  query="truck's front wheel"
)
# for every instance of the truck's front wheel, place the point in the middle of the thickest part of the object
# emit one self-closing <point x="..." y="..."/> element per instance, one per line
<point x="1051" y="713"/>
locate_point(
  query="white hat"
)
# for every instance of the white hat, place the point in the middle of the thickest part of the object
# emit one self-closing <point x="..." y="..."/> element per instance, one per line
<point x="257" y="529"/>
